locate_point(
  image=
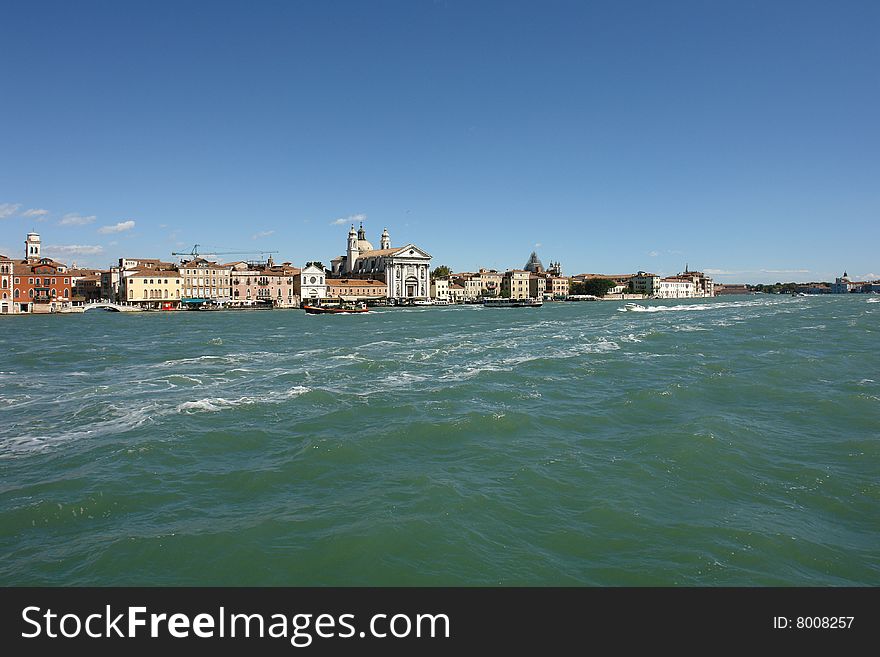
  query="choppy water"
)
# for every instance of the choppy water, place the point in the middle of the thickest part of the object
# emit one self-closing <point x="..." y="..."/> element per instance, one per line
<point x="728" y="442"/>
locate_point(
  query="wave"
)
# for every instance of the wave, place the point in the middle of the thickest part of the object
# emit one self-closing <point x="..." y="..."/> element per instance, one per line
<point x="213" y="404"/>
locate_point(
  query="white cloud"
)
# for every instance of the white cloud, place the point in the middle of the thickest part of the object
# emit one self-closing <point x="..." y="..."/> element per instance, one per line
<point x="785" y="271"/>
<point x="121" y="227"/>
<point x="74" y="249"/>
<point x="721" y="272"/>
<point x="653" y="254"/>
<point x="35" y="213"/>
<point x="350" y="219"/>
<point x="262" y="233"/>
<point x="75" y="219"/>
<point x="538" y="245"/>
<point x="8" y="209"/>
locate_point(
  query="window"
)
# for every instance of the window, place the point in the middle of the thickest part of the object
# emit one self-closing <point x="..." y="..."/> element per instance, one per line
<point x="31" y="293"/>
<point x="66" y="293"/>
<point x="67" y="281"/>
<point x="15" y="294"/>
<point x="17" y="280"/>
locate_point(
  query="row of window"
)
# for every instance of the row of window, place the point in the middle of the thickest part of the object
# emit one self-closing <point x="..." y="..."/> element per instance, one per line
<point x="154" y="294"/>
<point x="157" y="281"/>
<point x="43" y="294"/>
<point x="46" y="281"/>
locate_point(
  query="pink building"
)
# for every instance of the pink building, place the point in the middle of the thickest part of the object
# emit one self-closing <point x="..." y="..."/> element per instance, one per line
<point x="263" y="283"/>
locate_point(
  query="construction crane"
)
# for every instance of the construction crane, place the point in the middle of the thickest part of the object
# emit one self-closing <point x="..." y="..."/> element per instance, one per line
<point x="195" y="252"/>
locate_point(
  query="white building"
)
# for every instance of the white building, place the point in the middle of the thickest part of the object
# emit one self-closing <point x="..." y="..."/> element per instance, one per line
<point x="405" y="270"/>
<point x="312" y="282"/>
<point x="440" y="289"/>
<point x="675" y="287"/>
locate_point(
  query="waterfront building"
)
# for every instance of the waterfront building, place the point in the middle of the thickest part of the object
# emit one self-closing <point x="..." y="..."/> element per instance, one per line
<point x="675" y="287"/>
<point x="278" y="283"/>
<point x="112" y="281"/>
<point x="731" y="288"/>
<point x="484" y="283"/>
<point x="440" y="288"/>
<point x="264" y="283"/>
<point x="703" y="285"/>
<point x="537" y="284"/>
<point x="558" y="286"/>
<point x="646" y="283"/>
<point x="355" y="289"/>
<point x="39" y="285"/>
<point x="203" y="281"/>
<point x="151" y="288"/>
<point x="86" y="284"/>
<point x="311" y="282"/>
<point x="6" y="277"/>
<point x="515" y="284"/>
<point x="242" y="283"/>
<point x="843" y="285"/>
<point x="458" y="293"/>
<point x="404" y="271"/>
<point x="813" y="288"/>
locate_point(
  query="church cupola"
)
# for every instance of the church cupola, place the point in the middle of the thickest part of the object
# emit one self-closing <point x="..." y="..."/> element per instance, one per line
<point x="385" y="241"/>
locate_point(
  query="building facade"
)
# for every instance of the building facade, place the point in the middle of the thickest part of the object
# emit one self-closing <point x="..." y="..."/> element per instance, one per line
<point x="6" y="278"/>
<point x="355" y="289"/>
<point x="405" y="271"/>
<point x="675" y="287"/>
<point x="152" y="288"/>
<point x="263" y="283"/>
<point x="440" y="288"/>
<point x="646" y="283"/>
<point x="515" y="284"/>
<point x="537" y="285"/>
<point x="39" y="285"/>
<point x="311" y="283"/>
<point x="202" y="281"/>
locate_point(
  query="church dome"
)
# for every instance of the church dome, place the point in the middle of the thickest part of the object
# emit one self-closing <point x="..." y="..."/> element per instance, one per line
<point x="364" y="245"/>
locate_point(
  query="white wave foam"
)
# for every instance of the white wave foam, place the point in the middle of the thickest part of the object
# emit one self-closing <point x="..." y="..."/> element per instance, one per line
<point x="213" y="404"/>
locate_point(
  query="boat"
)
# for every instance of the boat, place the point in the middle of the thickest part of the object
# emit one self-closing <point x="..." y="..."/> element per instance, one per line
<point x="423" y="302"/>
<point x="634" y="307"/>
<point x="504" y="302"/>
<point x="336" y="310"/>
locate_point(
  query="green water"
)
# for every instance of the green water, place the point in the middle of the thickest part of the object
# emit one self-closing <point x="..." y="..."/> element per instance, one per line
<point x="727" y="442"/>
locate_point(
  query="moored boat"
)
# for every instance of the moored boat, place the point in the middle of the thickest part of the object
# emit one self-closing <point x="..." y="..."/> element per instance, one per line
<point x="504" y="302"/>
<point x="336" y="310"/>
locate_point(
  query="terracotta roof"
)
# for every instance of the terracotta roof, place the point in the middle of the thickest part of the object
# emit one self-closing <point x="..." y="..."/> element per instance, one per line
<point x="24" y="267"/>
<point x="156" y="273"/>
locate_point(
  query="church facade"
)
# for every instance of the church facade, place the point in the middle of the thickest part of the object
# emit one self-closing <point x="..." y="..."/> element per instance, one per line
<point x="406" y="270"/>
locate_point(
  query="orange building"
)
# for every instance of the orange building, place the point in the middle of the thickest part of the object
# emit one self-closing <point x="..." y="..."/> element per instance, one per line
<point x="39" y="285"/>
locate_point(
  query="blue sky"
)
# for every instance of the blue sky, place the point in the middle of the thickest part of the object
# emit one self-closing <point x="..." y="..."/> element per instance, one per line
<point x="739" y="137"/>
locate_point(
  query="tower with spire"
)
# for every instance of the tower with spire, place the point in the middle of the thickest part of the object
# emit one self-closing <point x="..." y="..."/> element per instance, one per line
<point x="385" y="240"/>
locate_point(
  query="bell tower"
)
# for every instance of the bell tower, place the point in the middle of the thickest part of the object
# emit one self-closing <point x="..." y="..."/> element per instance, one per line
<point x="353" y="250"/>
<point x="32" y="247"/>
<point x="385" y="240"/>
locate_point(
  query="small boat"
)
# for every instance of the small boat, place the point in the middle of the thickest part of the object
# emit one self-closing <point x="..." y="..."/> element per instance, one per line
<point x="423" y="302"/>
<point x="504" y="302"/>
<point x="634" y="306"/>
<point x="336" y="310"/>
